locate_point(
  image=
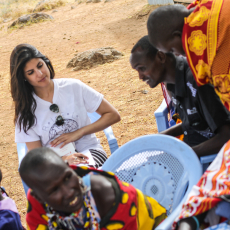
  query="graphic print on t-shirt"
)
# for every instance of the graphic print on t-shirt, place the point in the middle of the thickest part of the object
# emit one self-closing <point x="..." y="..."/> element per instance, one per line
<point x="75" y="100"/>
<point x="55" y="130"/>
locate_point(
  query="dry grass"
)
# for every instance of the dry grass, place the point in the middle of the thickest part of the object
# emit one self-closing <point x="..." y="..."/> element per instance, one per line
<point x="50" y="5"/>
<point x="16" y="8"/>
<point x="12" y="9"/>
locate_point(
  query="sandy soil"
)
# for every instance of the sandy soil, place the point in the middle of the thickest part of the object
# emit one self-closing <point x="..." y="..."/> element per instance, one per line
<point x="93" y="25"/>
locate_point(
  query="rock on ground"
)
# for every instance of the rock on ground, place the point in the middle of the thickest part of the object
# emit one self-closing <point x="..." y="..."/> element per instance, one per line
<point x="31" y="18"/>
<point x="94" y="57"/>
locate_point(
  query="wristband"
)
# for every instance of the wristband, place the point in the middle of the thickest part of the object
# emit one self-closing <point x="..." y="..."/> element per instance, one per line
<point x="197" y="222"/>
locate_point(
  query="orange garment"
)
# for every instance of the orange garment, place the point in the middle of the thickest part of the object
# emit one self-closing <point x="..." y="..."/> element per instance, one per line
<point x="205" y="39"/>
<point x="177" y="119"/>
<point x="212" y="186"/>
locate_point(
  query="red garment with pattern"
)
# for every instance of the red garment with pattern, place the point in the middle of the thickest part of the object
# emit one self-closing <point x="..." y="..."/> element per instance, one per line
<point x="205" y="40"/>
<point x="123" y="215"/>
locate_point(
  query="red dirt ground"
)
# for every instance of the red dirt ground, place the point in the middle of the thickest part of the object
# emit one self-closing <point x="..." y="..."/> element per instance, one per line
<point x="118" y="24"/>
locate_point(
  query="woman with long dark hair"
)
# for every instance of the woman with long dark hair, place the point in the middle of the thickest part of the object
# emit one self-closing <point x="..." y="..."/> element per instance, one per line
<point x="53" y="112"/>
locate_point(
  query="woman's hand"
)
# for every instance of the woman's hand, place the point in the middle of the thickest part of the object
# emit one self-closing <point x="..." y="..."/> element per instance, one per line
<point x="76" y="158"/>
<point x="66" y="138"/>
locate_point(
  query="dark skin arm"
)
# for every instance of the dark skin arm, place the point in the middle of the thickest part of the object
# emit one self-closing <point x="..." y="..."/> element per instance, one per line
<point x="208" y="147"/>
<point x="103" y="194"/>
<point x="174" y="131"/>
<point x="214" y="144"/>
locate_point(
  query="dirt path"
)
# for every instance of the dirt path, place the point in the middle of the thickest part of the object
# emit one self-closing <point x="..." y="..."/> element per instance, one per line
<point x="93" y="25"/>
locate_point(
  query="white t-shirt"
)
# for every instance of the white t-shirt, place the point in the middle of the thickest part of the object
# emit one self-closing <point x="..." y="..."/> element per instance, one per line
<point x="74" y="99"/>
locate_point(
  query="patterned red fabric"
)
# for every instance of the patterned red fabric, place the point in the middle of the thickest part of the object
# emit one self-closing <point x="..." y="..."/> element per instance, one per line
<point x="132" y="209"/>
<point x="205" y="41"/>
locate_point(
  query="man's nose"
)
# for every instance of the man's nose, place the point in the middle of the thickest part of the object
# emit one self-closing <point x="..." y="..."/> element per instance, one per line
<point x="141" y="76"/>
<point x="68" y="192"/>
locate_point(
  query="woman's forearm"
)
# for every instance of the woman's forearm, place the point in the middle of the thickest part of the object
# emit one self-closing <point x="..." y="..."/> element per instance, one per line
<point x="109" y="116"/>
<point x="104" y="122"/>
<point x="33" y="145"/>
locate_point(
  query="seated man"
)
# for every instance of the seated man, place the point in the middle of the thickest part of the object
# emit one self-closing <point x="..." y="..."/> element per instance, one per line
<point x="201" y="32"/>
<point x="205" y="121"/>
<point x="9" y="217"/>
<point x="208" y="203"/>
<point x="61" y="199"/>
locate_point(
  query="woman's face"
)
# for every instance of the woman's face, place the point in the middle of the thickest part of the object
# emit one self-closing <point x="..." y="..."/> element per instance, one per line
<point x="37" y="73"/>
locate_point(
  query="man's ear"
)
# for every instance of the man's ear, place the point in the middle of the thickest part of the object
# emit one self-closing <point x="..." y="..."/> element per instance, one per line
<point x="177" y="33"/>
<point x="32" y="193"/>
<point x="161" y="56"/>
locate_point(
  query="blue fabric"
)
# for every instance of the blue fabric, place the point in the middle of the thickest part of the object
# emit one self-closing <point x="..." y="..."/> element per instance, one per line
<point x="26" y="188"/>
<point x="10" y="220"/>
<point x="86" y="180"/>
<point x="223" y="209"/>
<point x="222" y="226"/>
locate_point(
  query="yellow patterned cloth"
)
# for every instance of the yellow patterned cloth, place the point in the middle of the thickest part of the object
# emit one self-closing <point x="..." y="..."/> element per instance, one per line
<point x="150" y="216"/>
<point x="132" y="210"/>
<point x="205" y="38"/>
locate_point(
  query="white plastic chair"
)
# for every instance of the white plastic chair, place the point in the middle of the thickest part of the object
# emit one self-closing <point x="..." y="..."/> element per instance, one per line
<point x="161" y="115"/>
<point x="112" y="141"/>
<point x="161" y="166"/>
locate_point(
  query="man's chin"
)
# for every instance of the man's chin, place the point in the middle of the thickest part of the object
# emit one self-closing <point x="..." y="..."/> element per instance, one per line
<point x="71" y="209"/>
<point x="152" y="85"/>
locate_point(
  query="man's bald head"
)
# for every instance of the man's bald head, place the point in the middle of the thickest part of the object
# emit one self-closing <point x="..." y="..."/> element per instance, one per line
<point x="164" y="23"/>
<point x="37" y="163"/>
<point x="51" y="180"/>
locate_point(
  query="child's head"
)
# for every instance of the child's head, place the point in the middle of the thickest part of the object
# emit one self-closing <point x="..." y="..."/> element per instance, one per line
<point x="51" y="180"/>
<point x="165" y="26"/>
<point x="151" y="64"/>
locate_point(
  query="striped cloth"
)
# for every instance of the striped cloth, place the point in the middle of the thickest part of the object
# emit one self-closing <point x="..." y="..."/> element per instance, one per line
<point x="99" y="157"/>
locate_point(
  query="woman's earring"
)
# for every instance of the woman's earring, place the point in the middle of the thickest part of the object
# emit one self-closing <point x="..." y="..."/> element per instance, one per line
<point x="24" y="79"/>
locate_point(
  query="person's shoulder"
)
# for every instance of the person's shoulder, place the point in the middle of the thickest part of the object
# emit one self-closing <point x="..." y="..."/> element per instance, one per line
<point x="62" y="82"/>
<point x="100" y="184"/>
<point x="36" y="214"/>
<point x="103" y="193"/>
<point x="10" y="220"/>
<point x="33" y="202"/>
<point x="184" y="62"/>
<point x="188" y="73"/>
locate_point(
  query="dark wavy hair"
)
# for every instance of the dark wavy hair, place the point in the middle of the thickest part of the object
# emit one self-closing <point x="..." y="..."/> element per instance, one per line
<point x="21" y="90"/>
